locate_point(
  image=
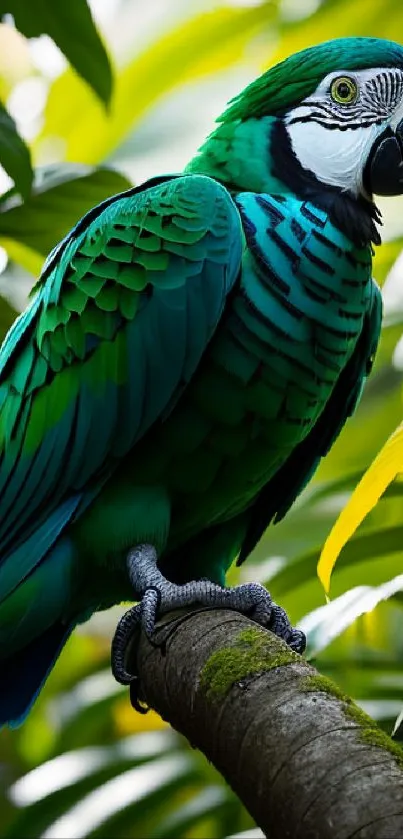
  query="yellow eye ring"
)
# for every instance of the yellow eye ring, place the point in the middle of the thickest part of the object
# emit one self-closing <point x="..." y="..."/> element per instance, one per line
<point x="344" y="90"/>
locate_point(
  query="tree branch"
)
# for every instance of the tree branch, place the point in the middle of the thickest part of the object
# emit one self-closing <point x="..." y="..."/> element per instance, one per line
<point x="305" y="761"/>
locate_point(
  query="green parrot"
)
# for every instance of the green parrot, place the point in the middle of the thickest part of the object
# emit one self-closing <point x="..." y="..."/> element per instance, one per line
<point x="193" y="349"/>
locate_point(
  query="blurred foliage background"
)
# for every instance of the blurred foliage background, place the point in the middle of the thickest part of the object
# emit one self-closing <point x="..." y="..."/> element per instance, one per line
<point x="94" y="100"/>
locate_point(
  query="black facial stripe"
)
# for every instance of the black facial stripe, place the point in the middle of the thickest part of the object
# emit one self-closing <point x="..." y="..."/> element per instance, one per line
<point x="385" y="80"/>
<point x="378" y="97"/>
<point x="324" y="111"/>
<point x="333" y="124"/>
<point x="377" y="89"/>
<point x="385" y="90"/>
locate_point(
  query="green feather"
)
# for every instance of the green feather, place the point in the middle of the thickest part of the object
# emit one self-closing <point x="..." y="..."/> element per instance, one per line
<point x="191" y="354"/>
<point x="295" y="78"/>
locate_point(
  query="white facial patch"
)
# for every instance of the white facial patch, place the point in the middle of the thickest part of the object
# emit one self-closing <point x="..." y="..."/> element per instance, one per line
<point x="333" y="140"/>
<point x="336" y="157"/>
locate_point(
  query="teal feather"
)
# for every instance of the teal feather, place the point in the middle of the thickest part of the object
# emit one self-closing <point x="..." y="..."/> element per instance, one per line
<point x="20" y="562"/>
<point x="190" y="355"/>
<point x="84" y="403"/>
<point x="292" y="80"/>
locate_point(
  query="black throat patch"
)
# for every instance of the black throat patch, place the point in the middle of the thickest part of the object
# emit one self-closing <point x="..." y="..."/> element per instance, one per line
<point x="356" y="217"/>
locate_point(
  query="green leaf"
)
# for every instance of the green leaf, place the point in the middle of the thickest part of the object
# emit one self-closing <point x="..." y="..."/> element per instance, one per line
<point x="144" y="795"/>
<point x="370" y="546"/>
<point x="7" y="316"/>
<point x="397" y="732"/>
<point x="180" y="821"/>
<point x="339" y="19"/>
<point x="72" y="28"/>
<point x="205" y="44"/>
<point x="53" y="209"/>
<point x="44" y="794"/>
<point x="14" y="154"/>
<point x="385" y="257"/>
<point x="325" y="624"/>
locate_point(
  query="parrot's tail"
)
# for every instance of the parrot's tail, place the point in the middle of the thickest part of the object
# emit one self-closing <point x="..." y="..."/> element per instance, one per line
<point x="24" y="673"/>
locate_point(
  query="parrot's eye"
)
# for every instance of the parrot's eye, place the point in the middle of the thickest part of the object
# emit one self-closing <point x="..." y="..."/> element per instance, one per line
<point x="344" y="90"/>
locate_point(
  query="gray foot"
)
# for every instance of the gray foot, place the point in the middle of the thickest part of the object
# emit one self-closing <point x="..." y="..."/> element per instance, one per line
<point x="159" y="596"/>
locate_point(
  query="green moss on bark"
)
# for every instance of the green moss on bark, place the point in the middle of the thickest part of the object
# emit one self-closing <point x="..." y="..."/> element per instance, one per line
<point x="324" y="685"/>
<point x="368" y="732"/>
<point x="251" y="652"/>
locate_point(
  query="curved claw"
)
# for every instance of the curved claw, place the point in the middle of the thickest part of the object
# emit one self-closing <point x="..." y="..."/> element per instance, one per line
<point x="135" y="700"/>
<point x="144" y="615"/>
<point x="298" y="641"/>
<point x="279" y="624"/>
<point x="127" y="625"/>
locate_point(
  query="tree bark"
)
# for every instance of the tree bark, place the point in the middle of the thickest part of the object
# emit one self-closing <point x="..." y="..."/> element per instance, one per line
<point x="304" y="760"/>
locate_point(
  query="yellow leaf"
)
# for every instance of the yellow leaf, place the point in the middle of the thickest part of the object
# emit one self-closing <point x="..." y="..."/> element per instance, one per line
<point x="385" y="258"/>
<point x="128" y="722"/>
<point x="29" y="258"/>
<point x="381" y="473"/>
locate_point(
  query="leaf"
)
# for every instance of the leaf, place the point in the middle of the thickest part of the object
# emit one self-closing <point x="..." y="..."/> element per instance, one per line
<point x="137" y="790"/>
<point x="385" y="257"/>
<point x="45" y="793"/>
<point x="206" y="43"/>
<point x="397" y="733"/>
<point x="29" y="259"/>
<point x="53" y="209"/>
<point x="380" y="544"/>
<point x="185" y="817"/>
<point x="339" y="19"/>
<point x="327" y="622"/>
<point x="7" y="316"/>
<point x="72" y="28"/>
<point x="381" y="473"/>
<point x="14" y="154"/>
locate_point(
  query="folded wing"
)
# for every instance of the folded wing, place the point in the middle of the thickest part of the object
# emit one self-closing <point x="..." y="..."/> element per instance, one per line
<point x="123" y="312"/>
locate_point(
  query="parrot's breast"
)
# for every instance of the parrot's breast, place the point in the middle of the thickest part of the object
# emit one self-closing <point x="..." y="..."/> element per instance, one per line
<point x="286" y="335"/>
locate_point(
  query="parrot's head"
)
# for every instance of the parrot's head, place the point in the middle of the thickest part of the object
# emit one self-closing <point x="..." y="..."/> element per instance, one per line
<point x="348" y="130"/>
<point x="341" y="108"/>
<point x="333" y="116"/>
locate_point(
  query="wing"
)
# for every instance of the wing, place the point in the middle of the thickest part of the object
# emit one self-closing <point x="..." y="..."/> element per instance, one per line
<point x="276" y="498"/>
<point x="124" y="310"/>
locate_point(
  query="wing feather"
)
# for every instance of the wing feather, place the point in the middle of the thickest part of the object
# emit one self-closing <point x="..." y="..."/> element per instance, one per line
<point x="123" y="312"/>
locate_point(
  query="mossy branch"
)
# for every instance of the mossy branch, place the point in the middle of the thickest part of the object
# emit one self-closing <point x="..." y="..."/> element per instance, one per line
<point x="304" y="760"/>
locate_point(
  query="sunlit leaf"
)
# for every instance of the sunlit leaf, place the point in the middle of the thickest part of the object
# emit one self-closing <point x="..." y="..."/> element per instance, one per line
<point x="206" y="43"/>
<point x="60" y="784"/>
<point x="135" y="788"/>
<point x="323" y="625"/>
<point x="183" y="818"/>
<point x="72" y="28"/>
<point x="385" y="257"/>
<point x="397" y="732"/>
<point x="28" y="258"/>
<point x="380" y="474"/>
<point x="14" y="154"/>
<point x="339" y="19"/>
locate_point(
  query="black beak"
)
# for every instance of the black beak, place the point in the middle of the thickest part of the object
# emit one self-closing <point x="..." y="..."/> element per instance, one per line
<point x="383" y="173"/>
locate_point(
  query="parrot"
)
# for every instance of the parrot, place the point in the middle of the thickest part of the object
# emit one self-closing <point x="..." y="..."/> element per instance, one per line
<point x="191" y="351"/>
